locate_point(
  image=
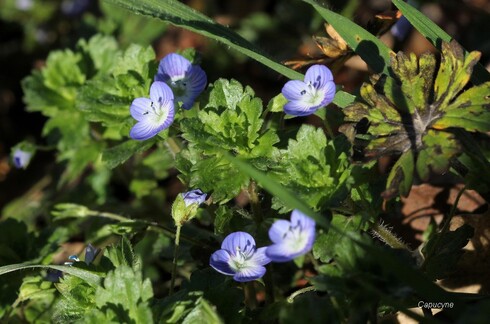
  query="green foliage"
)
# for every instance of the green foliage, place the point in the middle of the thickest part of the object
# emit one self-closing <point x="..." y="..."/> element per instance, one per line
<point x="416" y="115"/>
<point x="314" y="169"/>
<point x="439" y="262"/>
<point x="436" y="35"/>
<point x="230" y="121"/>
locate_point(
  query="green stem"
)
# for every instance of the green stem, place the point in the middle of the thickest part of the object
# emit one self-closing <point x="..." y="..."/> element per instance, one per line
<point x="255" y="202"/>
<point x="250" y="295"/>
<point x="295" y="294"/>
<point x="174" y="264"/>
<point x="328" y="128"/>
<point x="385" y="235"/>
<point x="173" y="146"/>
<point x="269" y="285"/>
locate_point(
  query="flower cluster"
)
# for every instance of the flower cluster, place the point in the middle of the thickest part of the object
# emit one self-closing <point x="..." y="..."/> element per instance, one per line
<point x="239" y="257"/>
<point x="177" y="80"/>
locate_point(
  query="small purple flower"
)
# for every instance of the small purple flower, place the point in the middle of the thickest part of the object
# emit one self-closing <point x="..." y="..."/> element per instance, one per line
<point x="186" y="80"/>
<point x="21" y="158"/>
<point x="240" y="258"/>
<point x="90" y="253"/>
<point x="291" y="239"/>
<point x="73" y="8"/>
<point x="194" y="196"/>
<point x="401" y="28"/>
<point x="154" y="114"/>
<point x="306" y="97"/>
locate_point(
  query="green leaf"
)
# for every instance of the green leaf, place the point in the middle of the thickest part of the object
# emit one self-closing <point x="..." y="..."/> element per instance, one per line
<point x="443" y="251"/>
<point x="367" y="46"/>
<point x="439" y="149"/>
<point x="327" y="244"/>
<point x="231" y="120"/>
<point x="122" y="152"/>
<point x="124" y="288"/>
<point x="142" y="187"/>
<point x="203" y="313"/>
<point x="107" y="98"/>
<point x="89" y="276"/>
<point x="316" y="171"/>
<point x="436" y="35"/>
<point x="418" y="111"/>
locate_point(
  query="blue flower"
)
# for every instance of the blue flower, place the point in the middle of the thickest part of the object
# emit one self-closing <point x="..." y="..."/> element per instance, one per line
<point x="21" y="158"/>
<point x="240" y="258"/>
<point x="306" y="97"/>
<point x="154" y="114"/>
<point x="186" y="80"/>
<point x="401" y="28"/>
<point x="194" y="196"/>
<point x="90" y="253"/>
<point x="291" y="239"/>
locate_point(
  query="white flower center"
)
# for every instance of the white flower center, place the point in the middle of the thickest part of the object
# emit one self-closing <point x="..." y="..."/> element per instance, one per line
<point x="312" y="95"/>
<point x="295" y="238"/>
<point x="159" y="113"/>
<point x="241" y="259"/>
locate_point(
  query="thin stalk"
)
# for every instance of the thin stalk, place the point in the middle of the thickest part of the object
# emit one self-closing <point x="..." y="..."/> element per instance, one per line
<point x="255" y="202"/>
<point x="295" y="294"/>
<point x="173" y="146"/>
<point x="328" y="128"/>
<point x="250" y="295"/>
<point x="174" y="263"/>
<point x="269" y="286"/>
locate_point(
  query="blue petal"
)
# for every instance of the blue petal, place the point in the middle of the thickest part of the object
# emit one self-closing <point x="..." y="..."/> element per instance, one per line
<point x="249" y="274"/>
<point x="172" y="67"/>
<point x="194" y="196"/>
<point x="299" y="108"/>
<point x="239" y="241"/>
<point x="143" y="130"/>
<point x="319" y="76"/>
<point x="294" y="90"/>
<point x="161" y="92"/>
<point x="196" y="82"/>
<point x="21" y="159"/>
<point x="298" y="217"/>
<point x="90" y="253"/>
<point x="259" y="257"/>
<point x="219" y="260"/>
<point x="140" y="107"/>
<point x="278" y="230"/>
<point x="280" y="252"/>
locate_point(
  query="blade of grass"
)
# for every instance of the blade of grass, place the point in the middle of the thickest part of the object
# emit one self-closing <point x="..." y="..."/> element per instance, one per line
<point x="183" y="16"/>
<point x="436" y="35"/>
<point x="90" y="277"/>
<point x="366" y="45"/>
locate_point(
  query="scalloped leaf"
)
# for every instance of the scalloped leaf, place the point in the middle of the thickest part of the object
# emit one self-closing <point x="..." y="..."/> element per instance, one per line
<point x="419" y="110"/>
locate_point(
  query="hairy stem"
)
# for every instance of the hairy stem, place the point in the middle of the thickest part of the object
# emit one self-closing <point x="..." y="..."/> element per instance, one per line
<point x="385" y="235"/>
<point x="174" y="263"/>
<point x="295" y="294"/>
